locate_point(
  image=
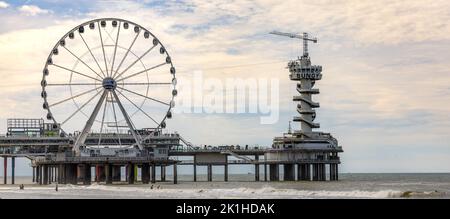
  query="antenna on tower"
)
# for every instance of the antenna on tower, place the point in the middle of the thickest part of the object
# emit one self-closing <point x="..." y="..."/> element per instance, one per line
<point x="304" y="37"/>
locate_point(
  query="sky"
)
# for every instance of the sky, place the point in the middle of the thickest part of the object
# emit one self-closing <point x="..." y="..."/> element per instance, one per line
<point x="385" y="91"/>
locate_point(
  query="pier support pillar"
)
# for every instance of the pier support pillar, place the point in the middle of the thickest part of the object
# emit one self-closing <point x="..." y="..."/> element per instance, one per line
<point x="5" y="170"/>
<point x="100" y="173"/>
<point x="257" y="168"/>
<point x="337" y="172"/>
<point x="195" y="170"/>
<point x="303" y="172"/>
<point x="209" y="172"/>
<point x="153" y="173"/>
<point x="175" y="177"/>
<point x="116" y="173"/>
<point x="46" y="175"/>
<point x="61" y="174"/>
<point x="13" y="170"/>
<point x="130" y="171"/>
<point x="108" y="173"/>
<point x="50" y="175"/>
<point x="315" y="172"/>
<point x="145" y="173"/>
<point x="324" y="172"/>
<point x="71" y="174"/>
<point x="274" y="172"/>
<point x="38" y="175"/>
<point x="163" y="173"/>
<point x="34" y="174"/>
<point x="225" y="174"/>
<point x="80" y="173"/>
<point x="87" y="174"/>
<point x="331" y="172"/>
<point x="289" y="172"/>
<point x="265" y="172"/>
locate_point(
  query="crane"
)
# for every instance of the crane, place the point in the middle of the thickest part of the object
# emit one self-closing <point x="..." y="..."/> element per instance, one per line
<point x="304" y="37"/>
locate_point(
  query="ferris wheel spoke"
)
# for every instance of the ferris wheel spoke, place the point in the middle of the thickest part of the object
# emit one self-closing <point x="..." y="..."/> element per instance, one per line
<point x="138" y="107"/>
<point x="115" y="48"/>
<point x="76" y="72"/>
<point x="159" y="101"/>
<point x="78" y="58"/>
<point x="73" y="97"/>
<point x="103" y="120"/>
<point x="115" y="117"/>
<point x="137" y="60"/>
<point x="143" y="71"/>
<point x="79" y="109"/>
<point x="72" y="84"/>
<point x="126" y="54"/>
<point x="136" y="136"/>
<point x="150" y="83"/>
<point x="90" y="51"/>
<point x="103" y="47"/>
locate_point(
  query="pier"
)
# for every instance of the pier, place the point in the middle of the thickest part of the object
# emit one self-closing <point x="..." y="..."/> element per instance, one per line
<point x="106" y="145"/>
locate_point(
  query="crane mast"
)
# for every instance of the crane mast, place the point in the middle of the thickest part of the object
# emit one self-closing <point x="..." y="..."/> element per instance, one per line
<point x="303" y="37"/>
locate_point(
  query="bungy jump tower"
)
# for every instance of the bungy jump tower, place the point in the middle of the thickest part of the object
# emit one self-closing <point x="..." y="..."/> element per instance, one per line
<point x="312" y="151"/>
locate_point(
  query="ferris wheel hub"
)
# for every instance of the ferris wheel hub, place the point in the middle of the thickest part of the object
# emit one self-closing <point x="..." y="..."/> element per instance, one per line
<point x="109" y="83"/>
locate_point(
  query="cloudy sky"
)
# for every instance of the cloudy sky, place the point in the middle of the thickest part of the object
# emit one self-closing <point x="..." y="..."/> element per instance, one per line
<point x="385" y="92"/>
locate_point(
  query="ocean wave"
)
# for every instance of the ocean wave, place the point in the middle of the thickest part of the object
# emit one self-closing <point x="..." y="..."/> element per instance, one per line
<point x="242" y="192"/>
<point x="161" y="191"/>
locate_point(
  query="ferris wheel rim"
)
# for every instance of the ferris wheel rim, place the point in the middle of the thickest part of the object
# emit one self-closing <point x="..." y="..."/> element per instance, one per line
<point x="65" y="36"/>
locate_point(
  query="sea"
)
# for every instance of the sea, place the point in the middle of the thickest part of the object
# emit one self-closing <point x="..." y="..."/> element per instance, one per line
<point x="349" y="186"/>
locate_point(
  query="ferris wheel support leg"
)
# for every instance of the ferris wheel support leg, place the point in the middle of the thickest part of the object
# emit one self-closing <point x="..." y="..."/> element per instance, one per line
<point x="87" y="128"/>
<point x="127" y="119"/>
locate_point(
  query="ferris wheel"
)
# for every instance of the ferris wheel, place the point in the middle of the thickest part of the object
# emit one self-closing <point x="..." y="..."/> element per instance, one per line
<point x="108" y="77"/>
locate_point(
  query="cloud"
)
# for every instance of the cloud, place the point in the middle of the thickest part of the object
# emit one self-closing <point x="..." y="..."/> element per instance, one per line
<point x="3" y="4"/>
<point x="33" y="10"/>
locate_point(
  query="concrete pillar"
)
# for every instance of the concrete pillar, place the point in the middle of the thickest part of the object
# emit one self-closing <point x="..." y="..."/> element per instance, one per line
<point x="38" y="175"/>
<point x="225" y="174"/>
<point x="195" y="170"/>
<point x="257" y="168"/>
<point x="87" y="174"/>
<point x="308" y="171"/>
<point x="324" y="172"/>
<point x="289" y="172"/>
<point x="50" y="174"/>
<point x="130" y="171"/>
<point x="145" y="173"/>
<point x="153" y="173"/>
<point x="337" y="172"/>
<point x="315" y="172"/>
<point x="209" y="172"/>
<point x="108" y="173"/>
<point x="331" y="172"/>
<point x="13" y="170"/>
<point x="265" y="172"/>
<point x="46" y="175"/>
<point x="61" y="174"/>
<point x="34" y="174"/>
<point x="274" y="172"/>
<point x="80" y="173"/>
<point x="135" y="169"/>
<point x="175" y="180"/>
<point x="5" y="170"/>
<point x="100" y="173"/>
<point x="116" y="173"/>
<point x="71" y="173"/>
<point x="163" y="173"/>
